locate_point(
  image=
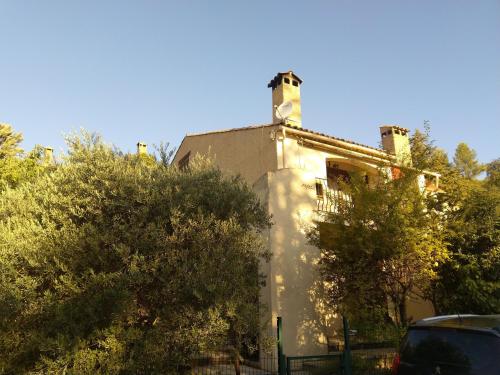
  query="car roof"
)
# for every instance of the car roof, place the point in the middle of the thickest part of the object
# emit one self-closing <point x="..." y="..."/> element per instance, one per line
<point x="484" y="323"/>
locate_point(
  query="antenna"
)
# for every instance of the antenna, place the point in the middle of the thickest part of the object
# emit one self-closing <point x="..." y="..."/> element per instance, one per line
<point x="284" y="110"/>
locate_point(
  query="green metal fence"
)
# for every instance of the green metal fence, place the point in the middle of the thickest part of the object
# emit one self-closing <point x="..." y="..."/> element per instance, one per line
<point x="363" y="362"/>
<point x="330" y="364"/>
<point x="369" y="353"/>
<point x="223" y="364"/>
<point x="372" y="361"/>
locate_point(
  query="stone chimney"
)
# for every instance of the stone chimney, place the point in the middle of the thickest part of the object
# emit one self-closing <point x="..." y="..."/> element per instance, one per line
<point x="142" y="148"/>
<point x="396" y="141"/>
<point x="48" y="155"/>
<point x="286" y="87"/>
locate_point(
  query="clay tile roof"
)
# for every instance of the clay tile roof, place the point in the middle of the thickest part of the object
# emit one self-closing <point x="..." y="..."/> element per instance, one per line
<point x="334" y="138"/>
<point x="291" y="127"/>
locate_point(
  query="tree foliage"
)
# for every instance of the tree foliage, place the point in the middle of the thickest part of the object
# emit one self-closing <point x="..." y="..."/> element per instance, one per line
<point x="425" y="154"/>
<point x="468" y="282"/>
<point x="113" y="263"/>
<point x="392" y="240"/>
<point x="465" y="161"/>
<point x="381" y="244"/>
<point x="9" y="141"/>
<point x="493" y="173"/>
<point x="17" y="167"/>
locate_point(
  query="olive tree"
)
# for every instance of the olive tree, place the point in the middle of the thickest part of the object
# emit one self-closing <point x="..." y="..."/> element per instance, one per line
<point x="118" y="263"/>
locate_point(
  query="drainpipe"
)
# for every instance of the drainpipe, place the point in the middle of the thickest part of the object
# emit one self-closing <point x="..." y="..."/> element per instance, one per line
<point x="283" y="144"/>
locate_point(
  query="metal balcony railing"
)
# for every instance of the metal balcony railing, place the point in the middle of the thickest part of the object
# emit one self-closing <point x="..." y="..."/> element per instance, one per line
<point x="327" y="198"/>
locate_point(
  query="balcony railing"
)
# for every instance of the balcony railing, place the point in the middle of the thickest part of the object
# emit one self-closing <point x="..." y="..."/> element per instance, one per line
<point x="327" y="198"/>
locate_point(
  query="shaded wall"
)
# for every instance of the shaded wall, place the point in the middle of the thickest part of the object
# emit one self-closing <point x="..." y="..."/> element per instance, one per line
<point x="249" y="152"/>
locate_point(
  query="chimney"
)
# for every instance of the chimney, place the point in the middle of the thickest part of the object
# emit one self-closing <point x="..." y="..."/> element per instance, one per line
<point x="396" y="141"/>
<point x="142" y="148"/>
<point x="48" y="155"/>
<point x="286" y="88"/>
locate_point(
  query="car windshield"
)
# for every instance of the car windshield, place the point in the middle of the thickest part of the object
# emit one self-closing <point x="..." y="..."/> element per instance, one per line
<point x="455" y="351"/>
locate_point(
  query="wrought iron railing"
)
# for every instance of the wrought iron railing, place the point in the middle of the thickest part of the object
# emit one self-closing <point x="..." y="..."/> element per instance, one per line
<point x="328" y="198"/>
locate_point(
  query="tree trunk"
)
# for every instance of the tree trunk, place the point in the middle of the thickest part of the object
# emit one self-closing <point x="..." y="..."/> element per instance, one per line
<point x="435" y="305"/>
<point x="237" y="369"/>
<point x="402" y="313"/>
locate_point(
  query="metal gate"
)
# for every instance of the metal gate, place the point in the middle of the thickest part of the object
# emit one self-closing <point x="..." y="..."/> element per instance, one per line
<point x="375" y="361"/>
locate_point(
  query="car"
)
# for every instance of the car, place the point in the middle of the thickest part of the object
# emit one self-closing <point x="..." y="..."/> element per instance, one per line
<point x="451" y="345"/>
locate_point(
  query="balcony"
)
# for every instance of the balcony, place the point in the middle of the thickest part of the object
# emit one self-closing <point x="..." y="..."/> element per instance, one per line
<point x="328" y="198"/>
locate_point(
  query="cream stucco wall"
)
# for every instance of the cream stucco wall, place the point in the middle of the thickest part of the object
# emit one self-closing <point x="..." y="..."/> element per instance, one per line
<point x="293" y="275"/>
<point x="249" y="152"/>
<point x="295" y="291"/>
<point x="282" y="170"/>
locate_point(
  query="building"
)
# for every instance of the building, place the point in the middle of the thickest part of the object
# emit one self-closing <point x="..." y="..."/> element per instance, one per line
<point x="294" y="171"/>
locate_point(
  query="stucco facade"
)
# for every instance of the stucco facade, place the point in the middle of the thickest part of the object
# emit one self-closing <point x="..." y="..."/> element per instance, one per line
<point x="285" y="165"/>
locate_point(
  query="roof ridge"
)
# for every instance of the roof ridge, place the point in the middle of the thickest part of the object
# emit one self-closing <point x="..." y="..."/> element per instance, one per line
<point x="257" y="126"/>
<point x="230" y="130"/>
<point x="333" y="137"/>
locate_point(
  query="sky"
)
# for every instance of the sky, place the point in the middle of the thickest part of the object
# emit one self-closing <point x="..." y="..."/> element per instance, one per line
<point x="156" y="70"/>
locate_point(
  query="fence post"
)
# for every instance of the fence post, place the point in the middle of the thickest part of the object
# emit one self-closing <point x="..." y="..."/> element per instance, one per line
<point x="281" y="362"/>
<point x="347" y="348"/>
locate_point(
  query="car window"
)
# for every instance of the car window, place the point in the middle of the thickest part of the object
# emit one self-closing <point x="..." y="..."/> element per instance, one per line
<point x="457" y="351"/>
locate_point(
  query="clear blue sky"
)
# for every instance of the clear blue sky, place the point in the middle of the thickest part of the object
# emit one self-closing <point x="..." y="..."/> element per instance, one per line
<point x="156" y="70"/>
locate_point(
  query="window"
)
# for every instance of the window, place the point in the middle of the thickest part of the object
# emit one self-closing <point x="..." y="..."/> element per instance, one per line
<point x="287" y="80"/>
<point x="319" y="189"/>
<point x="295" y="83"/>
<point x="336" y="176"/>
<point x="184" y="162"/>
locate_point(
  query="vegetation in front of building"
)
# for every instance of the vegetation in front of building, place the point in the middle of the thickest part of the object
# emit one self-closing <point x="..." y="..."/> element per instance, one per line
<point x="398" y="242"/>
<point x="118" y="263"/>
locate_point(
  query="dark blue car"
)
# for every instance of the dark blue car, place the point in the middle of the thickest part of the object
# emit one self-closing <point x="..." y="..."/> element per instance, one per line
<point x="451" y="345"/>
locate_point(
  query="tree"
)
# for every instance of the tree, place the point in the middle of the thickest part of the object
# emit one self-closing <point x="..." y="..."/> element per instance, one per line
<point x="493" y="173"/>
<point x="425" y="155"/>
<point x="9" y="141"/>
<point x="381" y="244"/>
<point x="113" y="263"/>
<point x="17" y="167"/>
<point x="465" y="161"/>
<point x="422" y="148"/>
<point x="469" y="281"/>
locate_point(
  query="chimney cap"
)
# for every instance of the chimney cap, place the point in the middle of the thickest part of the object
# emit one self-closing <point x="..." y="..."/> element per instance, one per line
<point x="48" y="154"/>
<point x="384" y="127"/>
<point x="142" y="148"/>
<point x="277" y="78"/>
